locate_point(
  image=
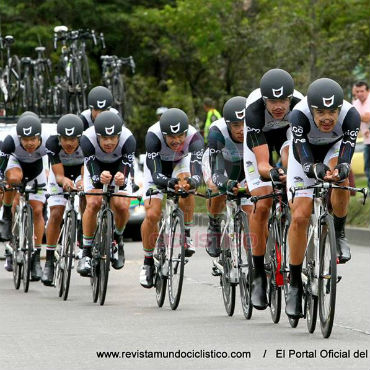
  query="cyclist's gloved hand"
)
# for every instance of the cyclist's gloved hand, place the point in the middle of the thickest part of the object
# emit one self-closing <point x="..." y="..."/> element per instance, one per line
<point x="135" y="187"/>
<point x="319" y="169"/>
<point x="171" y="182"/>
<point x="193" y="183"/>
<point x="275" y="174"/>
<point x="343" y="170"/>
<point x="231" y="184"/>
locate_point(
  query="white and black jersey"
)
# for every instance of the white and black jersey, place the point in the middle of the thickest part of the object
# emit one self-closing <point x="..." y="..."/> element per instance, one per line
<point x="12" y="146"/>
<point x="310" y="145"/>
<point x="161" y="159"/>
<point x="225" y="154"/>
<point x="87" y="119"/>
<point x="97" y="161"/>
<point x="261" y="127"/>
<point x="72" y="163"/>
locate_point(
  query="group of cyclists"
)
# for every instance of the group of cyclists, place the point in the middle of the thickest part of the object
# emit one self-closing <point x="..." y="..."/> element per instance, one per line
<point x="314" y="136"/>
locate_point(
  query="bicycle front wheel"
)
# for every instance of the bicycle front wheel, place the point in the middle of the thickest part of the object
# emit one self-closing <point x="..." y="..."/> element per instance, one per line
<point x="17" y="265"/>
<point x="327" y="284"/>
<point x="27" y="247"/>
<point x="106" y="238"/>
<point x="68" y="251"/>
<point x="228" y="288"/>
<point x="245" y="264"/>
<point x="274" y="290"/>
<point x="176" y="259"/>
<point x="161" y="269"/>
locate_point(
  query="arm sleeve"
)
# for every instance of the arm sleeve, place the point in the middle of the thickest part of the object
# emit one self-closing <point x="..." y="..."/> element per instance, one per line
<point x="84" y="121"/>
<point x="255" y="121"/>
<point x="196" y="148"/>
<point x="7" y="148"/>
<point x="351" y="127"/>
<point x="300" y="129"/>
<point x="153" y="159"/>
<point x="53" y="149"/>
<point x="217" y="163"/>
<point x="91" y="162"/>
<point x="128" y="154"/>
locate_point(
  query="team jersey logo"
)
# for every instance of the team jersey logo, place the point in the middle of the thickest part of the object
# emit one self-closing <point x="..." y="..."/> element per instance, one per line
<point x="278" y="92"/>
<point x="101" y="103"/>
<point x="109" y="130"/>
<point x="328" y="102"/>
<point x="70" y="131"/>
<point x="27" y="131"/>
<point x="175" y="128"/>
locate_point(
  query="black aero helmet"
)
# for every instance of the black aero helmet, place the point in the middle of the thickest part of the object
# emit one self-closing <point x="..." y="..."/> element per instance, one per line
<point x="108" y="124"/>
<point x="100" y="98"/>
<point x="276" y="84"/>
<point x="324" y="93"/>
<point x="28" y="112"/>
<point x="70" y="125"/>
<point x="29" y="126"/>
<point x="234" y="109"/>
<point x="174" y="122"/>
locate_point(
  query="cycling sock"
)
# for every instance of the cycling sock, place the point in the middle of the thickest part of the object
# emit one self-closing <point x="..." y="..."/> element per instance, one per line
<point x="7" y="211"/>
<point x="148" y="257"/>
<point x="119" y="231"/>
<point x="295" y="275"/>
<point x="188" y="226"/>
<point x="87" y="241"/>
<point x="339" y="223"/>
<point x="259" y="264"/>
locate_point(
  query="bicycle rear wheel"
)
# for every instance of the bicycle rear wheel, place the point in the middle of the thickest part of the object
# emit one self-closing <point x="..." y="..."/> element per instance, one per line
<point x="161" y="269"/>
<point x="28" y="246"/>
<point x="245" y="264"/>
<point x="105" y="254"/>
<point x="68" y="251"/>
<point x="327" y="284"/>
<point x="228" y="288"/>
<point x="176" y="260"/>
<point x="311" y="311"/>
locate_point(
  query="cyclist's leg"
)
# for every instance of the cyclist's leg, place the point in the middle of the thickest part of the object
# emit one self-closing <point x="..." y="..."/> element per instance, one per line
<point x="93" y="204"/>
<point x="13" y="175"/>
<point x="339" y="201"/>
<point x="181" y="171"/>
<point x="258" y="227"/>
<point x="301" y="210"/>
<point x="57" y="205"/>
<point x="215" y="207"/>
<point x="120" y="208"/>
<point x="149" y="229"/>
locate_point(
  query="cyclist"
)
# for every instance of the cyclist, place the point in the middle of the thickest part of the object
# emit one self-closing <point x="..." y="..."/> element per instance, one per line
<point x="99" y="100"/>
<point x="174" y="152"/>
<point x="222" y="165"/>
<point x="66" y="161"/>
<point x="267" y="129"/>
<point x="21" y="159"/>
<point x="324" y="129"/>
<point x="108" y="148"/>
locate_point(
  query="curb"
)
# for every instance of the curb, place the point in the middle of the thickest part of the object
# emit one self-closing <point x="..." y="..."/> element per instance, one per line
<point x="355" y="235"/>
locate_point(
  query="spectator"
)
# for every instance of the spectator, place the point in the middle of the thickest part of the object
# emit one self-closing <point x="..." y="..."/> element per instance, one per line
<point x="212" y="115"/>
<point x="362" y="104"/>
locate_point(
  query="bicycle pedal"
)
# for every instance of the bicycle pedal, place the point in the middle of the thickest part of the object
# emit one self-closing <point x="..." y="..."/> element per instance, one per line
<point x="339" y="278"/>
<point x="216" y="271"/>
<point x="186" y="261"/>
